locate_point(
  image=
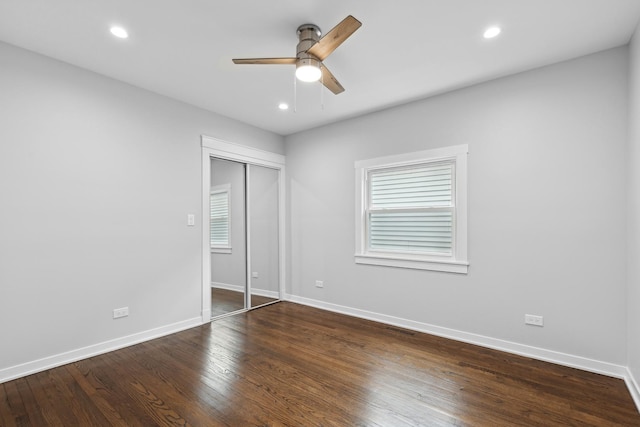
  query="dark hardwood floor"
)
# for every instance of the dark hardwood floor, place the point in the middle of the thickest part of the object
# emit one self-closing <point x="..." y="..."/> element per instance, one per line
<point x="225" y="301"/>
<point x="291" y="365"/>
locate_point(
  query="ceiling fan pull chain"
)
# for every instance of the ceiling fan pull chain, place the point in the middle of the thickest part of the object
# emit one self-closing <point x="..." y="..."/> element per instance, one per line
<point x="322" y="91"/>
<point x="295" y="94"/>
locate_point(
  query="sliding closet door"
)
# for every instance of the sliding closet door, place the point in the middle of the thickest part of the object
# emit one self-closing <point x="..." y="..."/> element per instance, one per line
<point x="227" y="231"/>
<point x="263" y="232"/>
<point x="245" y="269"/>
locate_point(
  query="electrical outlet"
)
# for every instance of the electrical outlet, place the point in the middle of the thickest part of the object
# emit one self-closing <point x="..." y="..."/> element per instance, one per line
<point x="531" y="319"/>
<point x="254" y="275"/>
<point x="319" y="284"/>
<point x="191" y="220"/>
<point x="120" y="312"/>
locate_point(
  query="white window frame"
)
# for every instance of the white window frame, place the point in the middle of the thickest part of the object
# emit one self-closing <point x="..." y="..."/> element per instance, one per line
<point x="457" y="262"/>
<point x="222" y="249"/>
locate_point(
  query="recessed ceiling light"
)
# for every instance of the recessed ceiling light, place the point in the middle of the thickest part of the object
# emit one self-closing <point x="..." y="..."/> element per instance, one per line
<point x="492" y="32"/>
<point x="119" y="32"/>
<point x="283" y="106"/>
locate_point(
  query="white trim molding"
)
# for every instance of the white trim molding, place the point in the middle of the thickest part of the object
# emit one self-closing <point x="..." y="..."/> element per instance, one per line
<point x="242" y="153"/>
<point x="265" y="293"/>
<point x="227" y="286"/>
<point x="419" y="264"/>
<point x="454" y="262"/>
<point x="28" y="368"/>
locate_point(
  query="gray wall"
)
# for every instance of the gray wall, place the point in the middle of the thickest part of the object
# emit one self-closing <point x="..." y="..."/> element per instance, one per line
<point x="547" y="162"/>
<point x="96" y="180"/>
<point x="633" y="257"/>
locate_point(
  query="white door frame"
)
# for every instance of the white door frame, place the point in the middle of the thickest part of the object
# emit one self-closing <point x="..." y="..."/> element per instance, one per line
<point x="212" y="147"/>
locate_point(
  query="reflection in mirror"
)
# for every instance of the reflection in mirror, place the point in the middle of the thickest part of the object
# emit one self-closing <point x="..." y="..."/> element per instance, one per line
<point x="228" y="239"/>
<point x="263" y="235"/>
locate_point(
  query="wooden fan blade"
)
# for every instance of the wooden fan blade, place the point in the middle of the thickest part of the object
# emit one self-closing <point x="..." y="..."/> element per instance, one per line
<point x="330" y="82"/>
<point x="265" y="61"/>
<point x="334" y="38"/>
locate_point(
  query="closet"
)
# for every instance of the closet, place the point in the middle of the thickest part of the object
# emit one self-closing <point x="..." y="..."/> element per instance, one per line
<point x="243" y="228"/>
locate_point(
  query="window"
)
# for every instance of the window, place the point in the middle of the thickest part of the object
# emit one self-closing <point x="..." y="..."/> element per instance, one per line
<point x="219" y="220"/>
<point x="411" y="210"/>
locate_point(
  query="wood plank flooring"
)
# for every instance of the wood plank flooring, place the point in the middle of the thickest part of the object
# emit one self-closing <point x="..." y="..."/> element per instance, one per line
<point x="225" y="301"/>
<point x="291" y="365"/>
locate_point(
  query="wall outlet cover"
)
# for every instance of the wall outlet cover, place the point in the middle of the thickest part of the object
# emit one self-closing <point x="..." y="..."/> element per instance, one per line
<point x="532" y="319"/>
<point x="120" y="312"/>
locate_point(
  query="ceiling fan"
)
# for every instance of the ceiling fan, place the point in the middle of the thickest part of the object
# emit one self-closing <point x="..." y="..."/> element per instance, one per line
<point x="312" y="50"/>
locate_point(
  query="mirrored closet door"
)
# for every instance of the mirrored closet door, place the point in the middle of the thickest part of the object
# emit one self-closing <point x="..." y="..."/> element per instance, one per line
<point x="227" y="232"/>
<point x="244" y="235"/>
<point x="263" y="235"/>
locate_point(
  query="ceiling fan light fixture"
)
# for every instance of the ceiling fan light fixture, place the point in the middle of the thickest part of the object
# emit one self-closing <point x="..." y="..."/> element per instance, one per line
<point x="308" y="70"/>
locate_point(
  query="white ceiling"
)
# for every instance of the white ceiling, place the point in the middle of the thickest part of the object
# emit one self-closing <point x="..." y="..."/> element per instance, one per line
<point x="405" y="50"/>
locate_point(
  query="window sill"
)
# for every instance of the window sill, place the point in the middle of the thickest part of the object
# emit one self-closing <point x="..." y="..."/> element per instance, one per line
<point x="459" y="267"/>
<point x="221" y="250"/>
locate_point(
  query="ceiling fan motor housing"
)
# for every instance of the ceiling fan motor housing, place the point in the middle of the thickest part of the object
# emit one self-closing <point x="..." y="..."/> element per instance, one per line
<point x="308" y="35"/>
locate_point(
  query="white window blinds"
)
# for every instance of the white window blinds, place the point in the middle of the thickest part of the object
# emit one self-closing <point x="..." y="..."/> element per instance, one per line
<point x="219" y="220"/>
<point x="411" y="209"/>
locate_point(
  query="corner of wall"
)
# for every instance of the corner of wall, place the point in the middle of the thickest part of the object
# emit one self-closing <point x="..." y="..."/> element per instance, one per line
<point x="633" y="221"/>
<point x="634" y="388"/>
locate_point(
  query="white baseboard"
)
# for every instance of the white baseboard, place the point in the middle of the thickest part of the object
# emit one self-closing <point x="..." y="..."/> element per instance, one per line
<point x="24" y="369"/>
<point x="206" y="315"/>
<point x="254" y="291"/>
<point x="227" y="286"/>
<point x="599" y="367"/>
<point x="265" y="293"/>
